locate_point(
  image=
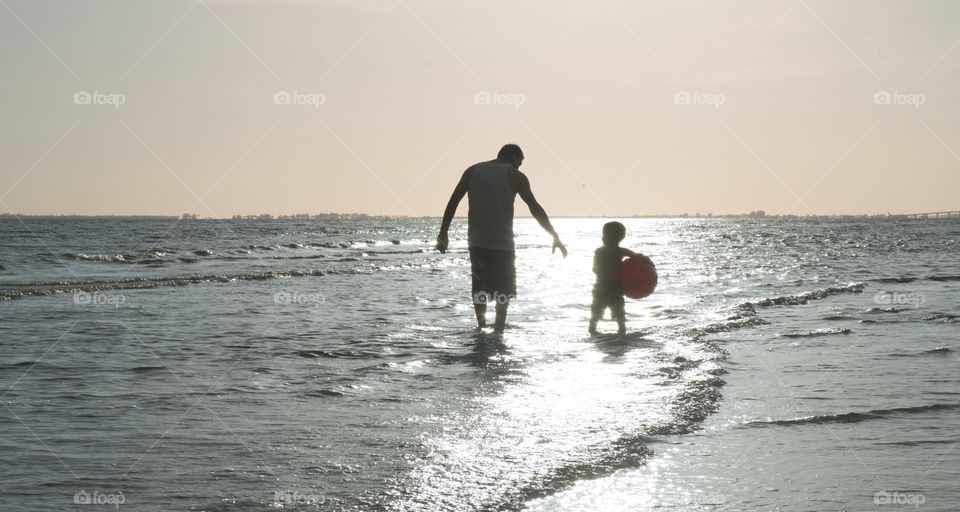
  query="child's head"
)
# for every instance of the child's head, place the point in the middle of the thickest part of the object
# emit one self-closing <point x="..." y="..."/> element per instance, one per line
<point x="613" y="233"/>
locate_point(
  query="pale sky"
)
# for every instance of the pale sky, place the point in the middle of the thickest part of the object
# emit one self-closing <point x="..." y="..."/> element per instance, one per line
<point x="622" y="107"/>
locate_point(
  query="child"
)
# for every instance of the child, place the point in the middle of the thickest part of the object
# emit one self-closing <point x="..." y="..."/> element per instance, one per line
<point x="608" y="290"/>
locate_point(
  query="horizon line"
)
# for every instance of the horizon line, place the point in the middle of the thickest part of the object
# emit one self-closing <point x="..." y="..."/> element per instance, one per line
<point x="361" y="216"/>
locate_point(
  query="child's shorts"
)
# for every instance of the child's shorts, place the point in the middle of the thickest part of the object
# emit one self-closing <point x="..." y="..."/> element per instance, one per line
<point x="608" y="294"/>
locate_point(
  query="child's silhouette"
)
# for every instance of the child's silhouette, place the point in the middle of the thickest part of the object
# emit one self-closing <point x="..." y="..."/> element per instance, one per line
<point x="608" y="290"/>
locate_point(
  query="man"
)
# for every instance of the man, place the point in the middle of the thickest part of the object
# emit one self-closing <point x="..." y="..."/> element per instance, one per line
<point x="492" y="187"/>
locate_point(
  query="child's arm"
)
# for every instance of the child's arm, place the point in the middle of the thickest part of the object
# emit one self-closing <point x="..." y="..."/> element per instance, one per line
<point x="631" y="254"/>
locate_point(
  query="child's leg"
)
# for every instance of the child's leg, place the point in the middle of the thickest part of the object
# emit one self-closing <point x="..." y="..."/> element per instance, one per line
<point x="618" y="311"/>
<point x="596" y="312"/>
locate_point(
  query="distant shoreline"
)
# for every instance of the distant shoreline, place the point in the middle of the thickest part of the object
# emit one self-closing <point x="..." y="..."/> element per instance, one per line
<point x="361" y="216"/>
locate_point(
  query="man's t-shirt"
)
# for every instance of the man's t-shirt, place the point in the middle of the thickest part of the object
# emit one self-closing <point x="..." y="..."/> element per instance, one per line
<point x="490" y="197"/>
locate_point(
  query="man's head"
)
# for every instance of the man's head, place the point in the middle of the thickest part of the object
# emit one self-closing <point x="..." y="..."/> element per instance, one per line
<point x="613" y="233"/>
<point x="512" y="154"/>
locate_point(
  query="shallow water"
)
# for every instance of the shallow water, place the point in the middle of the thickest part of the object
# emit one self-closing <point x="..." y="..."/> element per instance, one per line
<point x="242" y="365"/>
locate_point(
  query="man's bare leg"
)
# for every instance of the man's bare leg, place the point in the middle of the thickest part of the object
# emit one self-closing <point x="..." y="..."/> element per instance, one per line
<point x="501" y="320"/>
<point x="480" y="308"/>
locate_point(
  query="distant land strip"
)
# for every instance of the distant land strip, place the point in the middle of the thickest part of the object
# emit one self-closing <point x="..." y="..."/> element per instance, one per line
<point x="760" y="214"/>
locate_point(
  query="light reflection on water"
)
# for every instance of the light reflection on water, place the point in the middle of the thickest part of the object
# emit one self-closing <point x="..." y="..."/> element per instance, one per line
<point x="382" y="396"/>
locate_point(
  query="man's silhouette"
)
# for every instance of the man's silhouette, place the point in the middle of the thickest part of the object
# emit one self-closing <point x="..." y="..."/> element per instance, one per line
<point x="491" y="187"/>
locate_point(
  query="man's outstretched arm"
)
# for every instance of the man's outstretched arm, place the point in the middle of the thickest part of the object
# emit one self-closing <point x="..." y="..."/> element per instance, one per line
<point x="522" y="185"/>
<point x="451" y="210"/>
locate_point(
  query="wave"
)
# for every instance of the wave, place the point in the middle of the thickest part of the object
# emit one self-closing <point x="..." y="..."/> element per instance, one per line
<point x="803" y="298"/>
<point x="895" y="280"/>
<point x="938" y="350"/>
<point x="918" y="442"/>
<point x="944" y="278"/>
<point x="838" y="317"/>
<point x="853" y="417"/>
<point x="910" y="279"/>
<point x="874" y="311"/>
<point x="141" y="369"/>
<point x="323" y="393"/>
<point x="336" y="354"/>
<point x="246" y="253"/>
<point x="143" y="257"/>
<point x="945" y="317"/>
<point x="817" y="332"/>
<point x="15" y="291"/>
<point x="744" y="315"/>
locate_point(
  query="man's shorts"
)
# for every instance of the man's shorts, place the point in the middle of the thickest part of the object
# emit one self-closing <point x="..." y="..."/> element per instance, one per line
<point x="494" y="272"/>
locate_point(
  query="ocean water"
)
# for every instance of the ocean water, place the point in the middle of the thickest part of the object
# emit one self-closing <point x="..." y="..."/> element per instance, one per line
<point x="308" y="365"/>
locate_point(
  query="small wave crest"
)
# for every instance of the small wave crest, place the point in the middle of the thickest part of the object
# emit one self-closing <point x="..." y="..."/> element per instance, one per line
<point x="942" y="317"/>
<point x="743" y="315"/>
<point x="141" y="257"/>
<point x="16" y="291"/>
<point x="932" y="351"/>
<point x="838" y="317"/>
<point x="895" y="280"/>
<point x="944" y="278"/>
<point x="853" y="417"/>
<point x="910" y="279"/>
<point x="336" y="354"/>
<point x="817" y="332"/>
<point x="875" y="311"/>
<point x="803" y="298"/>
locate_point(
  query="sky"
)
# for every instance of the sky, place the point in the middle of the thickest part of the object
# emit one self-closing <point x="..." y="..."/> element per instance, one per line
<point x="622" y="107"/>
